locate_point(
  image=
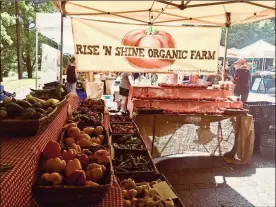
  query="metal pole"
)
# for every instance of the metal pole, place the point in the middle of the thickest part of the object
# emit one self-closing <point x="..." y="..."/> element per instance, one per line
<point x="227" y="24"/>
<point x="225" y="52"/>
<point x="61" y="55"/>
<point x="36" y="58"/>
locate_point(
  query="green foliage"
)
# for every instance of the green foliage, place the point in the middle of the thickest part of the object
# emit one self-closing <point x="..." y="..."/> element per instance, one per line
<point x="27" y="10"/>
<point x="245" y="34"/>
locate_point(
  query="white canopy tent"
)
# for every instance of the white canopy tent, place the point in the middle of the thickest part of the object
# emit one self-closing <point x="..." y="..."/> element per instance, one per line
<point x="230" y="52"/>
<point x="259" y="49"/>
<point x="219" y="13"/>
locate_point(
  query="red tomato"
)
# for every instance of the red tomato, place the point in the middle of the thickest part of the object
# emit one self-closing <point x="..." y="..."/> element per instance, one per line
<point x="140" y="38"/>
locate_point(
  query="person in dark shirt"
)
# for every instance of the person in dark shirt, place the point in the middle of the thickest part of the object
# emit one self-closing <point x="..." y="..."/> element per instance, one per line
<point x="71" y="76"/>
<point x="242" y="80"/>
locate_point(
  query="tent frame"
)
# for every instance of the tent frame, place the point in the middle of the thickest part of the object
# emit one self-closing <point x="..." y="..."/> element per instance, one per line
<point x="61" y="6"/>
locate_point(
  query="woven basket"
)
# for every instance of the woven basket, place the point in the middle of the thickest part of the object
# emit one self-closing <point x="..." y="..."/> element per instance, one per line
<point x="64" y="135"/>
<point x="112" y="119"/>
<point x="132" y="123"/>
<point x="140" y="177"/>
<point x="26" y="128"/>
<point x="115" y="137"/>
<point x="118" y="153"/>
<point x="67" y="195"/>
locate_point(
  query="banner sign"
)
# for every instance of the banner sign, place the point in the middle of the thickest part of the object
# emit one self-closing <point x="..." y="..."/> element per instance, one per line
<point x="109" y="46"/>
<point x="49" y="64"/>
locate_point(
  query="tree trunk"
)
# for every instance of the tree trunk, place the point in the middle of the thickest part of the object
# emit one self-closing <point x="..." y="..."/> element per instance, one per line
<point x="19" y="60"/>
<point x="28" y="52"/>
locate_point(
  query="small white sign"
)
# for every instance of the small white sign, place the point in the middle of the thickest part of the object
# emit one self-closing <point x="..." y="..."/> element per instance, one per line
<point x="164" y="190"/>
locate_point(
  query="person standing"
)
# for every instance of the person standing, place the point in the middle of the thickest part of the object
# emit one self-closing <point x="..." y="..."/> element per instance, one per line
<point x="124" y="90"/>
<point x="242" y="80"/>
<point x="71" y="74"/>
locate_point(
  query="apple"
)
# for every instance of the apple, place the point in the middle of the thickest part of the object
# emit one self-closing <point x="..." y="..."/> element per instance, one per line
<point x="52" y="150"/>
<point x="77" y="178"/>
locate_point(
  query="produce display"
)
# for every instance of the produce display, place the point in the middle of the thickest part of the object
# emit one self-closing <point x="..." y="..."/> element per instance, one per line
<point x="194" y="86"/>
<point x="30" y="108"/>
<point x="167" y="111"/>
<point x="119" y="119"/>
<point x="143" y="194"/>
<point x="85" y="138"/>
<point x="74" y="167"/>
<point x="132" y="162"/>
<point x="148" y="97"/>
<point x="88" y="118"/>
<point x="49" y="92"/>
<point x="128" y="142"/>
<point x="94" y="105"/>
<point x="201" y="112"/>
<point x="127" y="128"/>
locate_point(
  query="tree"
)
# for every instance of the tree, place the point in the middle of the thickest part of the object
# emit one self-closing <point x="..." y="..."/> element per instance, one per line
<point x="28" y="11"/>
<point x="245" y="34"/>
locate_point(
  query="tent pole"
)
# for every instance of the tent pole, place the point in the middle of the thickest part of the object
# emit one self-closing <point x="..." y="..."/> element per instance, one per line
<point x="227" y="24"/>
<point x="36" y="58"/>
<point x="225" y="52"/>
<point x="61" y="55"/>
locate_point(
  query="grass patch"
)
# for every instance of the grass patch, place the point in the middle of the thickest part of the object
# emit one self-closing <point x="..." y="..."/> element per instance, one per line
<point x="11" y="84"/>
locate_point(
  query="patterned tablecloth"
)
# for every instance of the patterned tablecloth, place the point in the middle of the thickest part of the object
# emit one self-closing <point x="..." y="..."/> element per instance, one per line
<point x="23" y="154"/>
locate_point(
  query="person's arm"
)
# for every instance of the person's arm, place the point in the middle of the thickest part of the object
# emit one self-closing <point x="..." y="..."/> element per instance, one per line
<point x="236" y="77"/>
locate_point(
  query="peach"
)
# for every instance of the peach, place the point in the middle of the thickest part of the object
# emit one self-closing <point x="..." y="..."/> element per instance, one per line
<point x="53" y="178"/>
<point x="95" y="174"/>
<point x="67" y="126"/>
<point x="69" y="141"/>
<point x="90" y="183"/>
<point x="83" y="136"/>
<point x="71" y="166"/>
<point x="54" y="165"/>
<point x="88" y="130"/>
<point x="75" y="147"/>
<point x="73" y="132"/>
<point x="99" y="130"/>
<point x="96" y="140"/>
<point x="69" y="155"/>
<point x="85" y="143"/>
<point x="52" y="150"/>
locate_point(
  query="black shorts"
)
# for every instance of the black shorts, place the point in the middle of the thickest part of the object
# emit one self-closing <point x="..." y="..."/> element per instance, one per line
<point x="123" y="92"/>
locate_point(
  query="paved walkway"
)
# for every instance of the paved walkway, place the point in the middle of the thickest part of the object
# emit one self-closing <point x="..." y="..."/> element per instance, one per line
<point x="209" y="181"/>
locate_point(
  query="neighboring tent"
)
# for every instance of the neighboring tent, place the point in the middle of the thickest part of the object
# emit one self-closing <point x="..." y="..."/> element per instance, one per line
<point x="230" y="53"/>
<point x="259" y="49"/>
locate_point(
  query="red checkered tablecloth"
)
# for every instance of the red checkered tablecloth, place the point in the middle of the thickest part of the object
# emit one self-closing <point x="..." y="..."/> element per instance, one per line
<point x="23" y="154"/>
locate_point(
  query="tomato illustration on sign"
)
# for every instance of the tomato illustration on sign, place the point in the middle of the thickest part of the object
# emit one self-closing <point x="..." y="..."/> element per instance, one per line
<point x="150" y="38"/>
